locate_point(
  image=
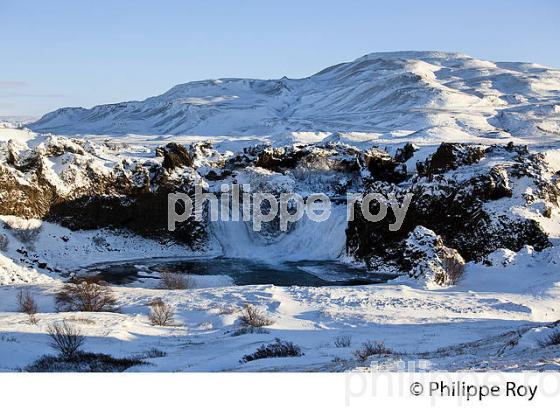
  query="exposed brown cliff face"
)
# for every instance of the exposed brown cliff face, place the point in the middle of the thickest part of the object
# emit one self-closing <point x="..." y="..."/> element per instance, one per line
<point x="87" y="196"/>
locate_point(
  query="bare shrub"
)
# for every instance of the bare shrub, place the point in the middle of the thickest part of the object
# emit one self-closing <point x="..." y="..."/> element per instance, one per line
<point x="65" y="338"/>
<point x="253" y="317"/>
<point x="83" y="362"/>
<point x="454" y="269"/>
<point x="86" y="295"/>
<point x="28" y="236"/>
<point x="227" y="310"/>
<point x="26" y="231"/>
<point x="4" y="243"/>
<point x="552" y="339"/>
<point x="99" y="241"/>
<point x="161" y="314"/>
<point x="171" y="280"/>
<point x="343" y="341"/>
<point x="249" y="330"/>
<point x="153" y="353"/>
<point x="26" y="304"/>
<point x="371" y="348"/>
<point x="82" y="320"/>
<point x="279" y="348"/>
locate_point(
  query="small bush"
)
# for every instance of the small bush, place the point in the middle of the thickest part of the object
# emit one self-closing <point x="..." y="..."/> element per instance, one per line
<point x="253" y="317"/>
<point x="279" y="348"/>
<point x="99" y="242"/>
<point x="83" y="362"/>
<point x="371" y="348"/>
<point x="66" y="339"/>
<point x="227" y="310"/>
<point x="26" y="304"/>
<point x="454" y="269"/>
<point x="343" y="341"/>
<point x="9" y="339"/>
<point x="161" y="314"/>
<point x="28" y="236"/>
<point x="153" y="353"/>
<point x="81" y="320"/>
<point x="249" y="330"/>
<point x="86" y="295"/>
<point x="4" y="243"/>
<point x="552" y="339"/>
<point x="170" y="280"/>
<point x="26" y="231"/>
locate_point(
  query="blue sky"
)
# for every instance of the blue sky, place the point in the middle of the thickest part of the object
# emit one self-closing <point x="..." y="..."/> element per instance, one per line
<point x="77" y="53"/>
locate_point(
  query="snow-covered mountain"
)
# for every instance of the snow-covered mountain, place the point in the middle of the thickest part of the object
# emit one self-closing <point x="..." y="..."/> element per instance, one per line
<point x="395" y="93"/>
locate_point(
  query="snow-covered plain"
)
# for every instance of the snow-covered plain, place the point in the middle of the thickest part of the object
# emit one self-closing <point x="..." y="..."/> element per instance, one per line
<point x="494" y="318"/>
<point x="490" y="310"/>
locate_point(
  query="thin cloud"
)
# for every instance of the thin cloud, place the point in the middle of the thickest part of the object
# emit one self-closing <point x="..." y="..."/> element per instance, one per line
<point x="12" y="84"/>
<point x="25" y="95"/>
<point x="12" y="89"/>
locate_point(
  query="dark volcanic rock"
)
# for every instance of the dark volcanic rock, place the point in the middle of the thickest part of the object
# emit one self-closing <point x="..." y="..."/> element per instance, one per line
<point x="498" y="185"/>
<point x="383" y="167"/>
<point x="219" y="175"/>
<point x="174" y="156"/>
<point x="453" y="208"/>
<point x="405" y="153"/>
<point x="86" y="196"/>
<point x="279" y="159"/>
<point x="467" y="207"/>
<point x="145" y="214"/>
<point x="450" y="156"/>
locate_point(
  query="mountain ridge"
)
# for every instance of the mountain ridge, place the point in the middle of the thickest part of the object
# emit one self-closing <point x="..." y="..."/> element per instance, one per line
<point x="387" y="92"/>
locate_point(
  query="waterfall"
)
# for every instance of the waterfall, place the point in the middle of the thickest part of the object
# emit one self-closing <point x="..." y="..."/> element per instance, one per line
<point x="308" y="240"/>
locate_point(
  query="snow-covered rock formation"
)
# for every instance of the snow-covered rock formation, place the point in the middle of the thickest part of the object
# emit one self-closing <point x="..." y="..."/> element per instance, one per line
<point x="431" y="261"/>
<point x="474" y="199"/>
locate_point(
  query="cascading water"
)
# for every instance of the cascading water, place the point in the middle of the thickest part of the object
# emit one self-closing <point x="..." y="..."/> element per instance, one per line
<point x="308" y="240"/>
<point x="304" y="256"/>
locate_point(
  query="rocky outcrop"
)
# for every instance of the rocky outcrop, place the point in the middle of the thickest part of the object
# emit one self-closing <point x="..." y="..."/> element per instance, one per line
<point x="449" y="157"/>
<point x="429" y="260"/>
<point x="383" y="167"/>
<point x="327" y="157"/>
<point x="279" y="159"/>
<point x="174" y="156"/>
<point x="405" y="153"/>
<point x="473" y="199"/>
<point x="463" y="207"/>
<point x="65" y="181"/>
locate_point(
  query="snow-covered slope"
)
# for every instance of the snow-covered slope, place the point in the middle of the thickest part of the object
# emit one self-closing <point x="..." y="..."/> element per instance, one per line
<point x="393" y="94"/>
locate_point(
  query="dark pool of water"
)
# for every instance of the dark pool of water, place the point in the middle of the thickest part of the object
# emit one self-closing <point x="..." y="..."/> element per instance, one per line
<point x="242" y="271"/>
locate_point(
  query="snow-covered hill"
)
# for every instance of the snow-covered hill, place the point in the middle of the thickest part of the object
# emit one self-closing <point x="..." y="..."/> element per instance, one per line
<point x="393" y="94"/>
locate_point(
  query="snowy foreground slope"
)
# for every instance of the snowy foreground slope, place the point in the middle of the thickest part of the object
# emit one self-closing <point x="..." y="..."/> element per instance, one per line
<point x="475" y="143"/>
<point x="500" y="312"/>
